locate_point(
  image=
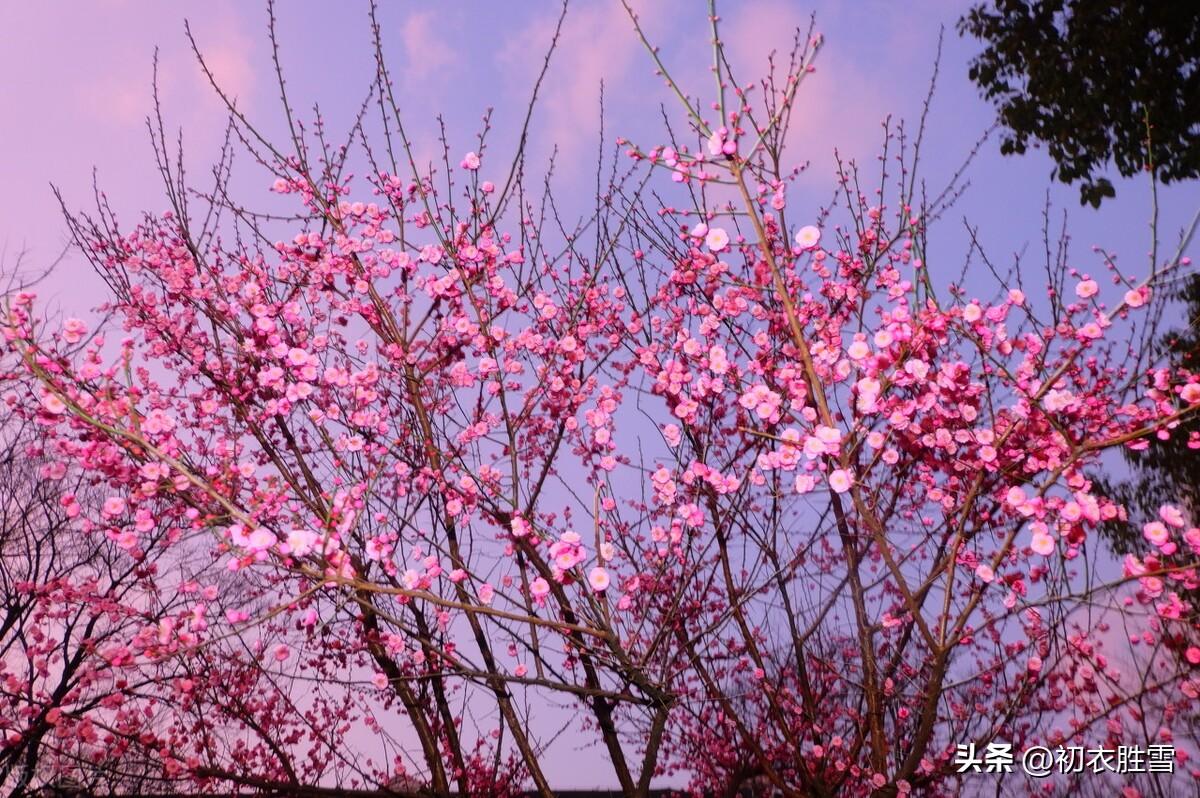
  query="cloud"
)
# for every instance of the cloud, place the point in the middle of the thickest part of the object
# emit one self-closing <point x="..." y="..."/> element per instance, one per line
<point x="839" y="105"/>
<point x="231" y="70"/>
<point x="76" y="87"/>
<point x="427" y="52"/>
<point x="597" y="44"/>
<point x="109" y="78"/>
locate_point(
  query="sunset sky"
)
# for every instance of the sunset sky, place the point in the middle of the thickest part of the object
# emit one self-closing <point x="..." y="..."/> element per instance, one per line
<point x="75" y="82"/>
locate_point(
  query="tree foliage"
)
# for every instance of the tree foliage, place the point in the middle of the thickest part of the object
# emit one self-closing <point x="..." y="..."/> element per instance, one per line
<point x="1095" y="83"/>
<point x="1172" y="466"/>
<point x="1168" y="470"/>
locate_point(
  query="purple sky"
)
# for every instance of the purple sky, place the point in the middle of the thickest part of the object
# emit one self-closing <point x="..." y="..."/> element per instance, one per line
<point x="75" y="83"/>
<point x="75" y="86"/>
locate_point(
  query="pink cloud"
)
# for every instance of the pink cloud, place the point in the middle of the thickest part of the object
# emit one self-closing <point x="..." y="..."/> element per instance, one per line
<point x="837" y="106"/>
<point x="231" y="69"/>
<point x="76" y="86"/>
<point x="427" y="51"/>
<point x="598" y="43"/>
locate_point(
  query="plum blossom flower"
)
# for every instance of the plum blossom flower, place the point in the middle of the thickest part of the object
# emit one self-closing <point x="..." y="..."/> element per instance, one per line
<point x="807" y="237"/>
<point x="376" y="549"/>
<point x="664" y="486"/>
<point x="1136" y="297"/>
<point x="486" y="593"/>
<point x="297" y="356"/>
<point x="470" y="161"/>
<point x="567" y="552"/>
<point x="1086" y="289"/>
<point x="260" y="539"/>
<point x="1156" y="532"/>
<point x="299" y="542"/>
<point x="868" y="389"/>
<point x="917" y="368"/>
<point x="830" y="436"/>
<point x="74" y="330"/>
<point x="840" y="480"/>
<point x="53" y="405"/>
<point x="717" y="239"/>
<point x="157" y="421"/>
<point x="1058" y="400"/>
<point x="985" y="573"/>
<point x="1172" y="608"/>
<point x="598" y="578"/>
<point x="1042" y="543"/>
<point x="718" y="361"/>
<point x="824" y="440"/>
<point x="720" y="143"/>
<point x="1171" y="515"/>
<point x="762" y="400"/>
<point x="1192" y="536"/>
<point x="692" y="515"/>
<point x="539" y="588"/>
